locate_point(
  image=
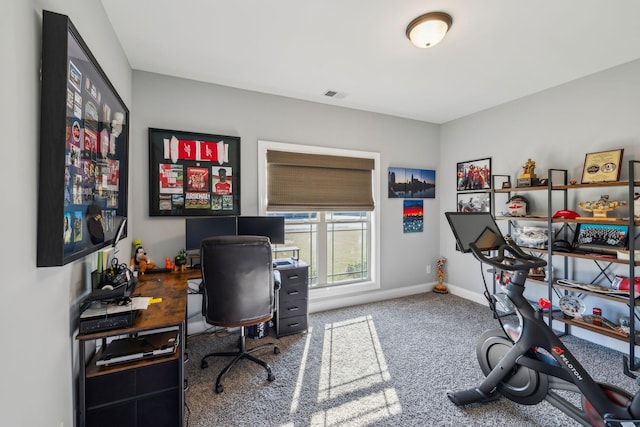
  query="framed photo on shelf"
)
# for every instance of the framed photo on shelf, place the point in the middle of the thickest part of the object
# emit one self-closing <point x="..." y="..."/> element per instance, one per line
<point x="603" y="166"/>
<point x="474" y="175"/>
<point x="601" y="238"/>
<point x="193" y="173"/>
<point x="474" y="202"/>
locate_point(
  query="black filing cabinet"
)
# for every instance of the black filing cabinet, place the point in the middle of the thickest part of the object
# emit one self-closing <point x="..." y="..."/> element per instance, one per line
<point x="292" y="302"/>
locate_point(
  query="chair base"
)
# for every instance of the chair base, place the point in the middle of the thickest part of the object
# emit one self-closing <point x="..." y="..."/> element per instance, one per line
<point x="242" y="353"/>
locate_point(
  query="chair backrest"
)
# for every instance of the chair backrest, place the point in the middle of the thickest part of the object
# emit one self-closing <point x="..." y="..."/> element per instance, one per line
<point x="237" y="273"/>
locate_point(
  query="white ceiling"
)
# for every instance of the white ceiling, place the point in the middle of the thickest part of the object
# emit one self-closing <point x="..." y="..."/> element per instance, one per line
<point x="495" y="52"/>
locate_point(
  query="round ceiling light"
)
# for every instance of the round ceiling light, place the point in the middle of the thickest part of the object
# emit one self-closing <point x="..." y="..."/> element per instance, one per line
<point x="429" y="29"/>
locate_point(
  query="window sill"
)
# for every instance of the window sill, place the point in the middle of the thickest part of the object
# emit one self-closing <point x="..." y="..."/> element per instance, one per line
<point x="339" y="290"/>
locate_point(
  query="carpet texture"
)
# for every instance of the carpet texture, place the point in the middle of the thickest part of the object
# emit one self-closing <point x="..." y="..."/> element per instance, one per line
<point x="388" y="363"/>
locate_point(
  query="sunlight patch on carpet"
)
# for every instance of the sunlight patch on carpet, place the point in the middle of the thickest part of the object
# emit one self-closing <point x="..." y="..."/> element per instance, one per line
<point x="371" y="408"/>
<point x="364" y="377"/>
<point x="295" y="399"/>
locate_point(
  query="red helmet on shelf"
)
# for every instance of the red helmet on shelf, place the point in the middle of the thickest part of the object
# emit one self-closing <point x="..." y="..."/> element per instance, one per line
<point x="564" y="213"/>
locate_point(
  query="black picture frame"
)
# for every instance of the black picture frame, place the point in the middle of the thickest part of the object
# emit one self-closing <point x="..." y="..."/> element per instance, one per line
<point x="84" y="149"/>
<point x="601" y="238"/>
<point x="468" y="180"/>
<point x="473" y="202"/>
<point x="193" y="173"/>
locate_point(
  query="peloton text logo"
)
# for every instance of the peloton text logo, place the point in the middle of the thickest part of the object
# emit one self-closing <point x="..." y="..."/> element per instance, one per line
<point x="560" y="352"/>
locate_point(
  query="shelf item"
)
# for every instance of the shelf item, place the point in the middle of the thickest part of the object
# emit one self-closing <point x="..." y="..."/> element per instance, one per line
<point x="601" y="207"/>
<point x="571" y="306"/>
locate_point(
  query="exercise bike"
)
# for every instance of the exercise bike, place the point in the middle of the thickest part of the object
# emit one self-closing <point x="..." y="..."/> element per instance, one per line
<point x="528" y="363"/>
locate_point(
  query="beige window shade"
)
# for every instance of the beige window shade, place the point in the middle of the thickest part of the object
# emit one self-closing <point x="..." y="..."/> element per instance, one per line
<point x="315" y="182"/>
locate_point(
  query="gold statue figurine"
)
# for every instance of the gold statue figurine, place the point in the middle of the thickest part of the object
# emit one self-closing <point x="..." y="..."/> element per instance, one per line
<point x="528" y="170"/>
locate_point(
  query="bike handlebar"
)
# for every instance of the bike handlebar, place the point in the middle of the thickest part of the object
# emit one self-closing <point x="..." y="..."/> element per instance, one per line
<point x="519" y="260"/>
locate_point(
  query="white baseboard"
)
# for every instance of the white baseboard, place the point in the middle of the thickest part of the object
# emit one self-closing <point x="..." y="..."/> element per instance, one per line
<point x="323" y="304"/>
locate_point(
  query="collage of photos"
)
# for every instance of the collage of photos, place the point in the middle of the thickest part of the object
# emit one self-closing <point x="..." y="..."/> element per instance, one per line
<point x="473" y="179"/>
<point x="195" y="176"/>
<point x="94" y="125"/>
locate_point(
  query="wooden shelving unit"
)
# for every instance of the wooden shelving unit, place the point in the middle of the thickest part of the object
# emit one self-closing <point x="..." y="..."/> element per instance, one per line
<point x="555" y="289"/>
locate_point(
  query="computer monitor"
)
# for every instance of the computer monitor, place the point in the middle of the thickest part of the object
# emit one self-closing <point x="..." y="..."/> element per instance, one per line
<point x="199" y="228"/>
<point x="270" y="226"/>
<point x="475" y="227"/>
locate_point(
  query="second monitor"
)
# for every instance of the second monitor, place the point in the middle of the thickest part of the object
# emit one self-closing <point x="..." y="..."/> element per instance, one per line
<point x="270" y="226"/>
<point x="199" y="228"/>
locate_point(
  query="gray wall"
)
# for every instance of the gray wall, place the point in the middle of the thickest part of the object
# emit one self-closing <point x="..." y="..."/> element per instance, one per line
<point x="556" y="128"/>
<point x="170" y="103"/>
<point x="37" y="316"/>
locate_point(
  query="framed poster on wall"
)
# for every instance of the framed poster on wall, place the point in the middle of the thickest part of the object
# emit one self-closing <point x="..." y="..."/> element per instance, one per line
<point x="84" y="149"/>
<point x="193" y="173"/>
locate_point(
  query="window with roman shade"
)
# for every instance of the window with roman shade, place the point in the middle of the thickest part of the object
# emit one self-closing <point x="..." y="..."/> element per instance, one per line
<point x="316" y="182"/>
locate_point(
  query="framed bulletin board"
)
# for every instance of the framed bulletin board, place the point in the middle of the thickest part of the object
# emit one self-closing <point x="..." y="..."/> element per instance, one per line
<point x="84" y="149"/>
<point x="193" y="174"/>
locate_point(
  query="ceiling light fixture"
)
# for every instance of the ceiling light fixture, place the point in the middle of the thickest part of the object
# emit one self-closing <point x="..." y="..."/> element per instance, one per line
<point x="429" y="29"/>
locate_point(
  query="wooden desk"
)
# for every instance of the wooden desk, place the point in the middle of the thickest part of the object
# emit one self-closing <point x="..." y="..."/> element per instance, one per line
<point x="147" y="392"/>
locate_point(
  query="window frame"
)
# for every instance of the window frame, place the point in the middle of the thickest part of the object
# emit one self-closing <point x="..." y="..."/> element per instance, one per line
<point x="343" y="289"/>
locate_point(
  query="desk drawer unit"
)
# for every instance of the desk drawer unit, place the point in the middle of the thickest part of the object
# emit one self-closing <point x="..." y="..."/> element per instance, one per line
<point x="293" y="300"/>
<point x="136" y="397"/>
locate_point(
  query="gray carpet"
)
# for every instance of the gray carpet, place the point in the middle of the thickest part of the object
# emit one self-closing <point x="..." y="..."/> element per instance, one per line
<point x="389" y="363"/>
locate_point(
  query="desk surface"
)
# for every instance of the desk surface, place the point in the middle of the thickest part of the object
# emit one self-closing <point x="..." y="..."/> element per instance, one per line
<point x="172" y="288"/>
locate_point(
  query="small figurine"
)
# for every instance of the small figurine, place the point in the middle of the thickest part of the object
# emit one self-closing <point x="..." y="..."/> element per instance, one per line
<point x="180" y="261"/>
<point x="140" y="261"/>
<point x="528" y="169"/>
<point x="440" y="288"/>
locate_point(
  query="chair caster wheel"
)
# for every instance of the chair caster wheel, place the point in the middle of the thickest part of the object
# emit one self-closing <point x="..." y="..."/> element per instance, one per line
<point x="276" y="350"/>
<point x="271" y="377"/>
<point x="204" y="364"/>
<point x="219" y="388"/>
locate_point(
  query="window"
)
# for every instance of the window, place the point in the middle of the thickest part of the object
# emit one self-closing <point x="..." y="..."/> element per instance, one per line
<point x="334" y="244"/>
<point x="336" y="238"/>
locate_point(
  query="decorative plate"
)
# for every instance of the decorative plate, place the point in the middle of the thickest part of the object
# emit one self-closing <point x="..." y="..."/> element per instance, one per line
<point x="572" y="306"/>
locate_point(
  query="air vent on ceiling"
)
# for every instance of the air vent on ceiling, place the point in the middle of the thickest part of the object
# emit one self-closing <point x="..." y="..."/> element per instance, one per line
<point x="333" y="94"/>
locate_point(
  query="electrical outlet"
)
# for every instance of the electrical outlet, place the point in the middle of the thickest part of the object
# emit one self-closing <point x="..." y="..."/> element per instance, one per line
<point x="428" y="268"/>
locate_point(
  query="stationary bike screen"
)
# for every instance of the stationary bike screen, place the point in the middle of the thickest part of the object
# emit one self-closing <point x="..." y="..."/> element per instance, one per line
<point x="477" y="227"/>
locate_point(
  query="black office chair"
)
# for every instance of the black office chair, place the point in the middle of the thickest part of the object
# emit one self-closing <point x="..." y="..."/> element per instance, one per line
<point x="239" y="286"/>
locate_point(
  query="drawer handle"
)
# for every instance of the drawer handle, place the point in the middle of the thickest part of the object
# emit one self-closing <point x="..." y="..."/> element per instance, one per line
<point x="295" y="276"/>
<point x="294" y="308"/>
<point x="293" y="293"/>
<point x="292" y="325"/>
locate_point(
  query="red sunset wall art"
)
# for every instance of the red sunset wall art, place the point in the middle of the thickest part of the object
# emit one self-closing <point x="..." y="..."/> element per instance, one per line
<point x="413" y="216"/>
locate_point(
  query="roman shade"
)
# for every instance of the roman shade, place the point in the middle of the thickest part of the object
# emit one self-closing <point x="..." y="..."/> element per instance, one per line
<point x="316" y="182"/>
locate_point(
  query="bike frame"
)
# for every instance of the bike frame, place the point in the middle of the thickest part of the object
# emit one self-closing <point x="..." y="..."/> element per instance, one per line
<point x="537" y="334"/>
<point x="478" y="233"/>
